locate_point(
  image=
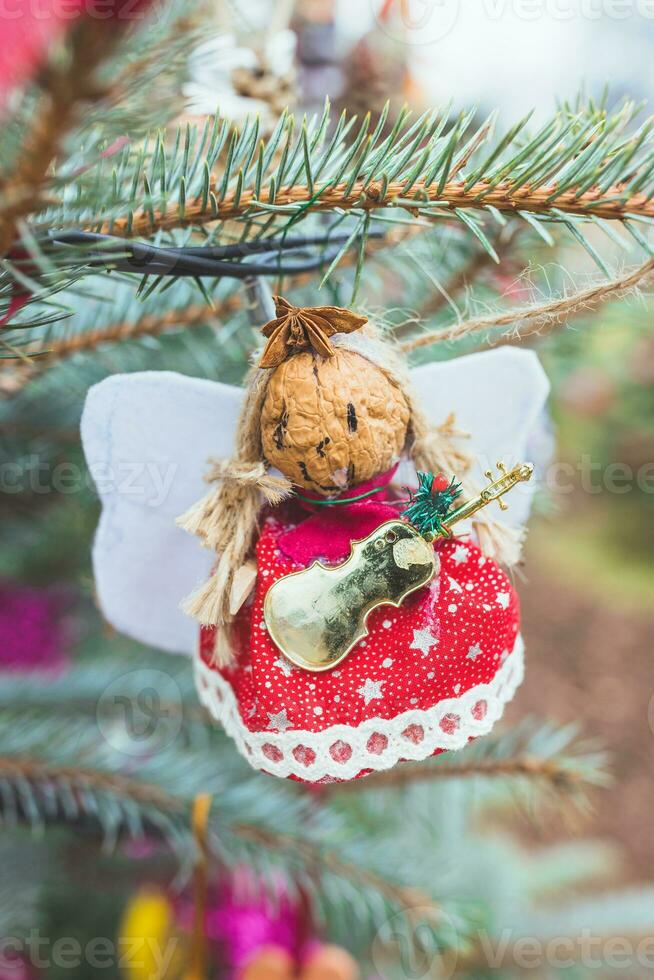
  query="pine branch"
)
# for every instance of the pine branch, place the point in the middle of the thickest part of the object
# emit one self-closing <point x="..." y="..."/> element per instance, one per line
<point x="17" y="768"/>
<point x="91" y="340"/>
<point x="403" y="897"/>
<point x="580" y="167"/>
<point x="539" y="754"/>
<point x="577" y="166"/>
<point x="370" y="196"/>
<point x="560" y="776"/>
<point x="50" y="773"/>
<point x="526" y="321"/>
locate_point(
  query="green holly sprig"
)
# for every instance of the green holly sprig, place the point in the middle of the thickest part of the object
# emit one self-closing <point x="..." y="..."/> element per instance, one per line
<point x="430" y="504"/>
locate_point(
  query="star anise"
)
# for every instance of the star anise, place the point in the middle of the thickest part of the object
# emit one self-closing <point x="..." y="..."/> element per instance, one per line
<point x="305" y="328"/>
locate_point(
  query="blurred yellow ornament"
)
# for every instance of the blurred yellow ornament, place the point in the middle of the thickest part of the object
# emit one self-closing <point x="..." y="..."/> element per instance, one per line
<point x="150" y="945"/>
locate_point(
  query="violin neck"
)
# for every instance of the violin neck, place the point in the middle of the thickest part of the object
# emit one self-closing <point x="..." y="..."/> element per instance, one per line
<point x="462" y="513"/>
<point x="494" y="491"/>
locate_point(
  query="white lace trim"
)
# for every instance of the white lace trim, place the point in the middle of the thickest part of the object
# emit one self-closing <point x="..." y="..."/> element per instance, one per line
<point x="340" y="751"/>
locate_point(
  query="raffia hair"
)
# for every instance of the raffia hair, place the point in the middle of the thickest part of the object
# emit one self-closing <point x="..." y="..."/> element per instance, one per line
<point x="226" y="519"/>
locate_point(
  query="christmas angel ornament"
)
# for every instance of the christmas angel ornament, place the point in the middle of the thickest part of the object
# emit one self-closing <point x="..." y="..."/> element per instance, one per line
<point x="346" y="624"/>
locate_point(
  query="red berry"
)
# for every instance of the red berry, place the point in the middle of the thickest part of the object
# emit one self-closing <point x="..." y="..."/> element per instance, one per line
<point x="440" y="483"/>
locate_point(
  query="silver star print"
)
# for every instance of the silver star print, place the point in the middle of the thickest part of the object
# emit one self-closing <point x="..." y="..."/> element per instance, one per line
<point x="453" y="585"/>
<point x="285" y="667"/>
<point x="473" y="652"/>
<point x="503" y="599"/>
<point x="460" y="554"/>
<point x="423" y="640"/>
<point x="279" y="721"/>
<point x="371" y="690"/>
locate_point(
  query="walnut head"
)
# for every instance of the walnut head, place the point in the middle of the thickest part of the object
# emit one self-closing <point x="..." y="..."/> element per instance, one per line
<point x="330" y="423"/>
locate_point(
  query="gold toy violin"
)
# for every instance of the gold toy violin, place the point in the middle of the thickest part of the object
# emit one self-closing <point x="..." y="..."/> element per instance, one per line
<point x="317" y="615"/>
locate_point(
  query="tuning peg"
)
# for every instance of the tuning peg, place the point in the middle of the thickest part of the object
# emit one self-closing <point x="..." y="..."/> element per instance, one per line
<point x="502" y="468"/>
<point x="503" y="506"/>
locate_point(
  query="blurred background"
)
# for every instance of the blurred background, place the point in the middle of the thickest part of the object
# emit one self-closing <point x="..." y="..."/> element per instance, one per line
<point x="587" y="584"/>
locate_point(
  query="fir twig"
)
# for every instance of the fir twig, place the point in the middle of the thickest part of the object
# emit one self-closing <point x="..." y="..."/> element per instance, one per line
<point x="401" y="896"/>
<point x="536" y="753"/>
<point x="560" y="776"/>
<point x="91" y="340"/>
<point x="581" y="165"/>
<point x="43" y="774"/>
<point x="374" y="196"/>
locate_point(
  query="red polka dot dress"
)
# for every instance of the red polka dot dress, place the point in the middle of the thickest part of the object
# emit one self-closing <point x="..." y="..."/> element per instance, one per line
<point x="430" y="675"/>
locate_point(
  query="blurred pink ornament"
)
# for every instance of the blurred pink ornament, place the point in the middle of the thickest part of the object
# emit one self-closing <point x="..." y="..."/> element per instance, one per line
<point x="243" y="923"/>
<point x="30" y="27"/>
<point x="34" y="631"/>
<point x="244" y="916"/>
<point x="13" y="967"/>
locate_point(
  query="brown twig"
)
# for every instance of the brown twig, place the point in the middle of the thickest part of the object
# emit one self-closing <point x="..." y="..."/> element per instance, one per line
<point x="36" y="771"/>
<point x="371" y="197"/>
<point x="540" y="316"/>
<point x="530" y="766"/>
<point x="406" y="898"/>
<point x="91" y="340"/>
<point x="147" y="326"/>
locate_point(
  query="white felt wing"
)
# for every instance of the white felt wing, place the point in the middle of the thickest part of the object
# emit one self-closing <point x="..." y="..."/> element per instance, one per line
<point x="147" y="438"/>
<point x="498" y="397"/>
